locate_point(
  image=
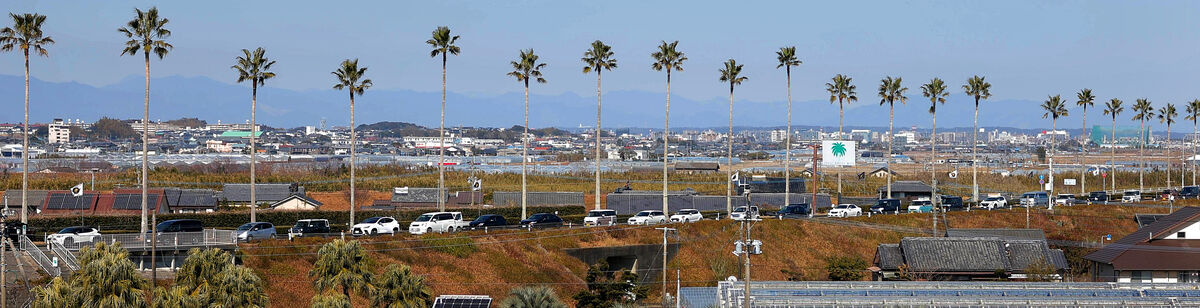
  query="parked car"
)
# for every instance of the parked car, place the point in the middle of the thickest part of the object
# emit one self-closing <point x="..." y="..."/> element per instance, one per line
<point x="793" y="211"/>
<point x="845" y="210"/>
<point x="308" y="227"/>
<point x="648" y="217"/>
<point x="489" y="220"/>
<point x="542" y="220"/>
<point x="255" y="231"/>
<point x="179" y="225"/>
<point x="743" y="212"/>
<point x="1189" y="192"/>
<point x="1168" y="194"/>
<point x="1098" y="196"/>
<point x="1064" y="199"/>
<point x="1035" y="198"/>
<point x="687" y="215"/>
<point x="1131" y="196"/>
<point x="886" y="205"/>
<point x="376" y="225"/>
<point x="920" y="206"/>
<point x="953" y="203"/>
<point x="437" y="222"/>
<point x="600" y="218"/>
<point x="992" y="203"/>
<point x="70" y="236"/>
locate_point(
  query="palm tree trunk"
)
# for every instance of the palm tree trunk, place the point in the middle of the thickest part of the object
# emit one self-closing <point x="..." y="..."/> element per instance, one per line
<point x="891" y="142"/>
<point x="1194" y="131"/>
<point x="841" y="113"/>
<point x="525" y="151"/>
<point x="787" y="144"/>
<point x="1083" y="155"/>
<point x="253" y="151"/>
<point x="598" y="147"/>
<point x="933" y="170"/>
<point x="1112" y="161"/>
<point x="975" y="154"/>
<point x="1053" y="127"/>
<point x="1141" y="155"/>
<point x="25" y="154"/>
<point x="145" y="140"/>
<point x="666" y="138"/>
<point x="442" y="144"/>
<point x="352" y="159"/>
<point x="728" y="180"/>
<point x="1167" y="145"/>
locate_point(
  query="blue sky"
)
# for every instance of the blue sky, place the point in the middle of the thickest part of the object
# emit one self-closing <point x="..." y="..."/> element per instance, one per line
<point x="1027" y="49"/>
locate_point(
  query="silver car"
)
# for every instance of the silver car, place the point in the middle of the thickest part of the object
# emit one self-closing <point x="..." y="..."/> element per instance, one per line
<point x="255" y="231"/>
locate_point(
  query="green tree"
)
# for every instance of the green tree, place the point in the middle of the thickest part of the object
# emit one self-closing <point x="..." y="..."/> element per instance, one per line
<point x="1143" y="111"/>
<point x="935" y="90"/>
<point x="1167" y="115"/>
<point x="606" y="288"/>
<point x="842" y="90"/>
<point x="330" y="301"/>
<point x="200" y="269"/>
<point x="112" y="129"/>
<point x="59" y="293"/>
<point x="175" y="297"/>
<point x="525" y="69"/>
<point x="1193" y="114"/>
<point x="787" y="59"/>
<point x="352" y="78"/>
<point x="107" y="278"/>
<point x="845" y="268"/>
<point x="147" y="33"/>
<point x="532" y="297"/>
<point x="598" y="58"/>
<point x="398" y="287"/>
<point x="341" y="264"/>
<point x="238" y="286"/>
<point x="1113" y="108"/>
<point x="443" y="44"/>
<point x="668" y="58"/>
<point x="731" y="73"/>
<point x="891" y="91"/>
<point x="976" y="87"/>
<point x="254" y="67"/>
<point x="1085" y="99"/>
<point x="25" y="34"/>
<point x="1055" y="107"/>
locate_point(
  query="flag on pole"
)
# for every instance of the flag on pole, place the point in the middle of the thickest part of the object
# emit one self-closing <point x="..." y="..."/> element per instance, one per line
<point x="77" y="190"/>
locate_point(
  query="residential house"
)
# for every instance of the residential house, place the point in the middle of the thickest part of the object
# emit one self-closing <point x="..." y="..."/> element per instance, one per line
<point x="297" y="202"/>
<point x="1164" y="251"/>
<point x="882" y="172"/>
<point x="967" y="258"/>
<point x="907" y="190"/>
<point x="239" y="194"/>
<point x="129" y="201"/>
<point x="12" y="200"/>
<point x="191" y="200"/>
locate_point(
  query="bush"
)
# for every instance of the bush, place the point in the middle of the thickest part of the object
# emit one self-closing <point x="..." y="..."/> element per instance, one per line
<point x="845" y="268"/>
<point x="461" y="247"/>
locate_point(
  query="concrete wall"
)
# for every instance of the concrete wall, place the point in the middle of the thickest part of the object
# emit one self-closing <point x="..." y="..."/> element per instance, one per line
<point x="645" y="260"/>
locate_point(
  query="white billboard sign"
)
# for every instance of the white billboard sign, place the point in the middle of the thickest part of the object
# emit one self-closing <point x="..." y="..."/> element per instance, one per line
<point x="837" y="153"/>
<point x="1069" y="182"/>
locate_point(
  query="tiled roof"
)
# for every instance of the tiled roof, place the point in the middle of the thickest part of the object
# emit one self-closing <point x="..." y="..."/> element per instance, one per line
<point x="1143" y="248"/>
<point x="418" y="195"/>
<point x="12" y="197"/>
<point x="908" y="186"/>
<point x="264" y="192"/>
<point x="950" y="254"/>
<point x="1144" y="220"/>
<point x="1004" y="234"/>
<point x="889" y="256"/>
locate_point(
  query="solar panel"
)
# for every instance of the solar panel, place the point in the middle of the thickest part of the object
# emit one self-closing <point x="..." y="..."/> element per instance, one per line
<point x="462" y="301"/>
<point x="66" y="201"/>
<point x="133" y="201"/>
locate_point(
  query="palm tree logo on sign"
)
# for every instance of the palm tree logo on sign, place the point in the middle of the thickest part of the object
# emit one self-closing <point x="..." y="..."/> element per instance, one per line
<point x="839" y="149"/>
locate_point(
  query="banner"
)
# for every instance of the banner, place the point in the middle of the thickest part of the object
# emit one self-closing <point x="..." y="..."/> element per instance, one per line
<point x="838" y="153"/>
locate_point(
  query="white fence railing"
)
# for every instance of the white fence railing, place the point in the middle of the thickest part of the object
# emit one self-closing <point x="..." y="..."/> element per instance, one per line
<point x="165" y="240"/>
<point x="39" y="257"/>
<point x="64" y="256"/>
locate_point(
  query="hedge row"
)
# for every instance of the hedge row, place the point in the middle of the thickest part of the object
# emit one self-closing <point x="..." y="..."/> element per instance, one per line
<point x="226" y="220"/>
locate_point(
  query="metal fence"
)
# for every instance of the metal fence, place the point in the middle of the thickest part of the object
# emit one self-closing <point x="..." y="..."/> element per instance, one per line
<point x="64" y="256"/>
<point x="39" y="257"/>
<point x="166" y="240"/>
<point x="952" y="294"/>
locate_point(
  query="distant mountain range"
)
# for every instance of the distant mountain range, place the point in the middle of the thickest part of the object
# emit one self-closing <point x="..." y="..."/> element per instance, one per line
<point x="201" y="97"/>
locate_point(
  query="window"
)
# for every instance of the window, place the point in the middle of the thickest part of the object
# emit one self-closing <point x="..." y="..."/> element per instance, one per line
<point x="1181" y="234"/>
<point x="1141" y="276"/>
<point x="1189" y="277"/>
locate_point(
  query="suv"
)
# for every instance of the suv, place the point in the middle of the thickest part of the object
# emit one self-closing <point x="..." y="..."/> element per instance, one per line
<point x="920" y="206"/>
<point x="1035" y="198"/>
<point x="376" y="225"/>
<point x="255" y="230"/>
<point x="71" y="235"/>
<point x="993" y="203"/>
<point x="437" y="222"/>
<point x="1189" y="192"/>
<point x="742" y="212"/>
<point x="1064" y="199"/>
<point x="308" y="227"/>
<point x="648" y="217"/>
<point x="541" y="220"/>
<point x="489" y="220"/>
<point x="600" y="217"/>
<point x="886" y="205"/>
<point x="179" y="225"/>
<point x="1131" y="196"/>
<point x="845" y="210"/>
<point x="687" y="215"/>
<point x="793" y="211"/>
<point x="953" y="203"/>
<point x="1098" y="196"/>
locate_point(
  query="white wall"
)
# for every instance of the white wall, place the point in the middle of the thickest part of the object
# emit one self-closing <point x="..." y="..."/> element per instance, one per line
<point x="1192" y="232"/>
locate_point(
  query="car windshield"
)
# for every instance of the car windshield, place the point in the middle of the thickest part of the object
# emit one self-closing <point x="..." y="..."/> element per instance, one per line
<point x="246" y="226"/>
<point x="993" y="199"/>
<point x="537" y="216"/>
<point x="424" y="217"/>
<point x="842" y="206"/>
<point x="643" y="214"/>
<point x="375" y="220"/>
<point x="1027" y="196"/>
<point x="67" y="230"/>
<point x="740" y="209"/>
<point x="595" y="214"/>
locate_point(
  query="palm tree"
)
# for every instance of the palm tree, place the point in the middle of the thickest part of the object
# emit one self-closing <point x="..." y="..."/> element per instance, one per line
<point x="668" y="58"/>
<point x="787" y="59"/>
<point x="1193" y="113"/>
<point x="1113" y="108"/>
<point x="1055" y="107"/>
<point x="175" y="297"/>
<point x="979" y="89"/>
<point x="891" y="91"/>
<point x="200" y="269"/>
<point x="532" y="297"/>
<point x="526" y="68"/>
<point x="731" y="73"/>
<point x="935" y="90"/>
<point x="352" y="78"/>
<point x="598" y="58"/>
<point x="238" y="286"/>
<point x="341" y="264"/>
<point x="843" y="91"/>
<point x="25" y="34"/>
<point x="1143" y="111"/>
<point x="1167" y="114"/>
<point x="146" y="34"/>
<point x="107" y="278"/>
<point x="255" y="67"/>
<point x="59" y="293"/>
<point x="443" y="44"/>
<point x="398" y="287"/>
<point x="330" y="301"/>
<point x="1086" y="99"/>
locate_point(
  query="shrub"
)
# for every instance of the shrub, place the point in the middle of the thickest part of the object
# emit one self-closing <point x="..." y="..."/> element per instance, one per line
<point x="461" y="247"/>
<point x="845" y="268"/>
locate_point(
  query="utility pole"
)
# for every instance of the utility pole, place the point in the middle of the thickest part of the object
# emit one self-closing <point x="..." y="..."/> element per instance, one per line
<point x="744" y="248"/>
<point x="678" y="289"/>
<point x="664" y="265"/>
<point x="816" y="183"/>
<point x="3" y="263"/>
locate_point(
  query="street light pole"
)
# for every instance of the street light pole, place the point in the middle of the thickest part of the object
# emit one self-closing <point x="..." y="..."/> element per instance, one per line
<point x="664" y="265"/>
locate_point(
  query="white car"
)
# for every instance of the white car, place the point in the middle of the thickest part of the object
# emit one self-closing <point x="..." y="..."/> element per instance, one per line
<point x="1064" y="199"/>
<point x="1131" y="196"/>
<point x="648" y="217"/>
<point x="600" y="218"/>
<point x="993" y="203"/>
<point x="71" y="236"/>
<point x="687" y="215"/>
<point x="743" y="212"/>
<point x="845" y="210"/>
<point x="437" y="222"/>
<point x="376" y="225"/>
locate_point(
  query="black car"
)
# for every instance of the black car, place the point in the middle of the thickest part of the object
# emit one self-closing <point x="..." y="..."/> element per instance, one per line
<point x="1098" y="196"/>
<point x="542" y="220"/>
<point x="886" y="205"/>
<point x="792" y="211"/>
<point x="952" y="203"/>
<point x="489" y="220"/>
<point x="309" y="227"/>
<point x="179" y="225"/>
<point x="1189" y="192"/>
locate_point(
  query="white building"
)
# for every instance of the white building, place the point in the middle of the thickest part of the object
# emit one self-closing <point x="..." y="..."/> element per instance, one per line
<point x="59" y="131"/>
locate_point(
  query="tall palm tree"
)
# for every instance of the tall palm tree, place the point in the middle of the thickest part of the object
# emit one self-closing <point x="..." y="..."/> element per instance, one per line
<point x="443" y="44"/>
<point x="787" y="59"/>
<point x="668" y="58"/>
<point x="25" y="34"/>
<point x="238" y="286"/>
<point x="532" y="297"/>
<point x="147" y="33"/>
<point x="979" y="89"/>
<point x="891" y="91"/>
<point x="1085" y="100"/>
<point x="1167" y="114"/>
<point x="107" y="278"/>
<point x="352" y="78"/>
<point x="1113" y="108"/>
<point x="598" y="58"/>
<point x="526" y="68"/>
<point x="842" y="90"/>
<point x="1143" y="111"/>
<point x="399" y="287"/>
<point x="255" y="67"/>
<point x="935" y="90"/>
<point x="1055" y="107"/>
<point x="731" y="73"/>
<point x="1193" y="114"/>
<point x="341" y="264"/>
